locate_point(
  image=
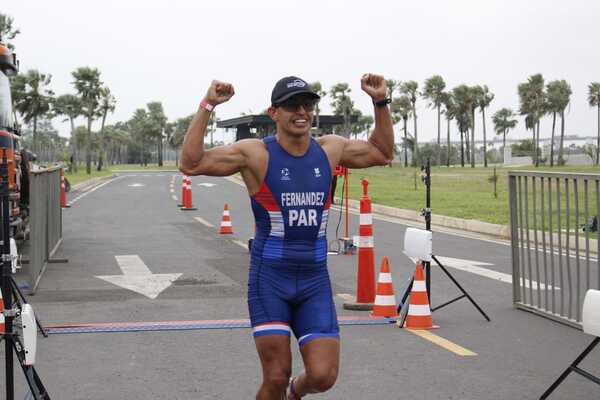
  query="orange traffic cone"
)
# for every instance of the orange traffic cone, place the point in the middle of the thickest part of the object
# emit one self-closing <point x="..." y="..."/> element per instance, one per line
<point x="419" y="313"/>
<point x="63" y="193"/>
<point x="365" y="280"/>
<point x="183" y="190"/>
<point x="226" y="227"/>
<point x="187" y="195"/>
<point x="385" y="300"/>
<point x="2" y="326"/>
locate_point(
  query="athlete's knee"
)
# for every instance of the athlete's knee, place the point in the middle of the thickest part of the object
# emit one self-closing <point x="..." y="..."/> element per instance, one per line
<point x="322" y="379"/>
<point x="277" y="377"/>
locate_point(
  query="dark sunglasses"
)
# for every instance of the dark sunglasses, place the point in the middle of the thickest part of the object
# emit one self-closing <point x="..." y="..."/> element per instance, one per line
<point x="293" y="105"/>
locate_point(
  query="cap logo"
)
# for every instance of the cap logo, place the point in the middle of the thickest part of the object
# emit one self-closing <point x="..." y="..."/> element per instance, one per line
<point x="296" y="83"/>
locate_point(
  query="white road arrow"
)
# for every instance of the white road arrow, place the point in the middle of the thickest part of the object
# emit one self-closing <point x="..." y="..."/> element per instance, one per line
<point x="474" y="268"/>
<point x="138" y="278"/>
<point x="206" y="184"/>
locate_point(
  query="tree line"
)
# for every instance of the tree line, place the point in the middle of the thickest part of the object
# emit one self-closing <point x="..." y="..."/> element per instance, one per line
<point x="146" y="135"/>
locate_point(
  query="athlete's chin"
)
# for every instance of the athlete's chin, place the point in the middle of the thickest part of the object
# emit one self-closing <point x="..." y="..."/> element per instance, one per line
<point x="299" y="132"/>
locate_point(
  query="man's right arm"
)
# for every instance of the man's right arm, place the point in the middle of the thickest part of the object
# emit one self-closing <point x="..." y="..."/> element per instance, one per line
<point x="218" y="161"/>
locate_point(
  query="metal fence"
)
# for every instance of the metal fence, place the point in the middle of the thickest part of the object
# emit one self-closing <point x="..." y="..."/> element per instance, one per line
<point x="555" y="246"/>
<point x="45" y="222"/>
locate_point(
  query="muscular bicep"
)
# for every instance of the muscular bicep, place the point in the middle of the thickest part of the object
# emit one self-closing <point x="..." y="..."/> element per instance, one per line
<point x="361" y="154"/>
<point x="219" y="161"/>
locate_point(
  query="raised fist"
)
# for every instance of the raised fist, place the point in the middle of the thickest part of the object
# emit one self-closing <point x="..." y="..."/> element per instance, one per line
<point x="219" y="92"/>
<point x="374" y="86"/>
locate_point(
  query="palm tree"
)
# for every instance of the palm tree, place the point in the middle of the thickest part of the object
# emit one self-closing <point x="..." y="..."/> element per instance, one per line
<point x="462" y="112"/>
<point x="401" y="109"/>
<point x="410" y="88"/>
<point x="450" y="112"/>
<point x="318" y="89"/>
<point x="484" y="101"/>
<point x="32" y="98"/>
<point x="108" y="104"/>
<point x="503" y="121"/>
<point x="433" y="91"/>
<point x="392" y="85"/>
<point x="342" y="104"/>
<point x="7" y="32"/>
<point x="533" y="105"/>
<point x="156" y="126"/>
<point x="558" y="94"/>
<point x="69" y="106"/>
<point x="594" y="100"/>
<point x="475" y="93"/>
<point x="89" y="88"/>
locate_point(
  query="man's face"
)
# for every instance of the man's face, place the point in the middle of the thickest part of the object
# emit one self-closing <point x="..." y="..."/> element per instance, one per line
<point x="295" y="115"/>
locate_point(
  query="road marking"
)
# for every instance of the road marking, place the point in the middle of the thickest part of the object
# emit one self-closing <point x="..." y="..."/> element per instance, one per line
<point x="472" y="267"/>
<point x="136" y="185"/>
<point x="204" y="222"/>
<point x="443" y="343"/>
<point x="138" y="278"/>
<point x="207" y="184"/>
<point x="172" y="190"/>
<point x="240" y="243"/>
<point x="174" y="197"/>
<point x="92" y="190"/>
<point x="346" y="297"/>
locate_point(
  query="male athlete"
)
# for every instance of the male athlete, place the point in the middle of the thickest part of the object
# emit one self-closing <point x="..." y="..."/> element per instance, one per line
<point x="288" y="177"/>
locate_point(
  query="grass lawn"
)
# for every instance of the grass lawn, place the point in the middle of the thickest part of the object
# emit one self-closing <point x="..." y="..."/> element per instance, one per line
<point x="455" y="191"/>
<point x="81" y="176"/>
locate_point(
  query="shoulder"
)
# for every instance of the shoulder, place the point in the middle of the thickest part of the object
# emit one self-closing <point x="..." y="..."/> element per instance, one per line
<point x="331" y="140"/>
<point x="250" y="145"/>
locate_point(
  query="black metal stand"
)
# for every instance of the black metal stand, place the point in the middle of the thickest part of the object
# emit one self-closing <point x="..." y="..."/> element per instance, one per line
<point x="426" y="213"/>
<point x="13" y="298"/>
<point x="574" y="368"/>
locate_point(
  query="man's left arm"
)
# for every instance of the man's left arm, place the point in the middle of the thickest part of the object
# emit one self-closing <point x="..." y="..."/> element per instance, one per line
<point x="378" y="149"/>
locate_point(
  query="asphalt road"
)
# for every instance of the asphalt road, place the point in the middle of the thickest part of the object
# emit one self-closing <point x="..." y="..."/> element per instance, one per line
<point x="518" y="354"/>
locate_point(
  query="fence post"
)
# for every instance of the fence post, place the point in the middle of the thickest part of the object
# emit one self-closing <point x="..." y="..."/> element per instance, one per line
<point x="514" y="236"/>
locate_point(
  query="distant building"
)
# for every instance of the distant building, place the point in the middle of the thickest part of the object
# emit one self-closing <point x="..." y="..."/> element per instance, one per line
<point x="259" y="126"/>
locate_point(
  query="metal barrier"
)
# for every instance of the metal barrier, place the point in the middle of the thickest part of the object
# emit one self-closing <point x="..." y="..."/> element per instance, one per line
<point x="555" y="246"/>
<point x="45" y="222"/>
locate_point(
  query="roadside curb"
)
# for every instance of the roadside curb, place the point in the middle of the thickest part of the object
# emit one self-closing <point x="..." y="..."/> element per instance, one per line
<point x="470" y="225"/>
<point x="91" y="182"/>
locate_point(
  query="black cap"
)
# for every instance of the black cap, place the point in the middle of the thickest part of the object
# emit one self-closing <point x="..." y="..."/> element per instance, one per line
<point x="290" y="86"/>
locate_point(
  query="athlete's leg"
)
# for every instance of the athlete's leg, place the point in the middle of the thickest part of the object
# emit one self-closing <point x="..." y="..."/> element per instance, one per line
<point x="321" y="362"/>
<point x="276" y="360"/>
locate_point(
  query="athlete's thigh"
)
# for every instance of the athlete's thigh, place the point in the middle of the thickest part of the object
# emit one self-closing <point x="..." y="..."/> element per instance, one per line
<point x="274" y="353"/>
<point x="321" y="356"/>
<point x="314" y="316"/>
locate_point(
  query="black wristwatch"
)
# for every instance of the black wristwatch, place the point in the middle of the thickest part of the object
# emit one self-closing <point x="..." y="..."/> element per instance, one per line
<point x="382" y="103"/>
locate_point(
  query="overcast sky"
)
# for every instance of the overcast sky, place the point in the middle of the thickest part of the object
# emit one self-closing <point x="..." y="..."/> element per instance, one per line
<point x="169" y="51"/>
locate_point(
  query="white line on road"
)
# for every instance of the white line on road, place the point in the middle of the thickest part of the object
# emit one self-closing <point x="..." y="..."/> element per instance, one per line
<point x="92" y="190"/>
<point x="204" y="222"/>
<point x="240" y="243"/>
<point x="174" y="197"/>
<point x="472" y="267"/>
<point x="172" y="190"/>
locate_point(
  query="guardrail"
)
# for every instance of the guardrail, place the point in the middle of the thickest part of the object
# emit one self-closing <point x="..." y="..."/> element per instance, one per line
<point x="45" y="223"/>
<point x="554" y="241"/>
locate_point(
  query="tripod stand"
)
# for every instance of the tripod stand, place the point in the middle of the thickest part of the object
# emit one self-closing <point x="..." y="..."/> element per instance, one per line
<point x="16" y="306"/>
<point x="426" y="213"/>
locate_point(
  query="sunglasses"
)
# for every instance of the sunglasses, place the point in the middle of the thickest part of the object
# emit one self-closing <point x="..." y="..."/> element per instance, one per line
<point x="293" y="105"/>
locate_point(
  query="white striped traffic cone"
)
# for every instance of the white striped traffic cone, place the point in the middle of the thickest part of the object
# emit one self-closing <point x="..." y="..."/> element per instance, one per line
<point x="2" y="326"/>
<point x="226" y="227"/>
<point x="385" y="299"/>
<point x="419" y="312"/>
